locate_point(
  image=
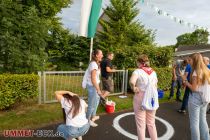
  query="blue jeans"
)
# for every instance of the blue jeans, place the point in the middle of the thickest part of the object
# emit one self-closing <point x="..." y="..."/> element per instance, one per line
<point x="72" y="132"/>
<point x="93" y="101"/>
<point x="175" y="83"/>
<point x="185" y="98"/>
<point x="197" y="114"/>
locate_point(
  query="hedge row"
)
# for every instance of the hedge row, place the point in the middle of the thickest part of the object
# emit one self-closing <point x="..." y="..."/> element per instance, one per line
<point x="164" y="77"/>
<point x="17" y="88"/>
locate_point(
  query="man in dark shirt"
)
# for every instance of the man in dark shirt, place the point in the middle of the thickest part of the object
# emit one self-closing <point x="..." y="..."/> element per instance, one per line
<point x="176" y="79"/>
<point x="187" y="91"/>
<point x="107" y="74"/>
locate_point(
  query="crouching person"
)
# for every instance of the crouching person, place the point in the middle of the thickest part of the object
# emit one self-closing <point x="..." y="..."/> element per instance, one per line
<point x="75" y="109"/>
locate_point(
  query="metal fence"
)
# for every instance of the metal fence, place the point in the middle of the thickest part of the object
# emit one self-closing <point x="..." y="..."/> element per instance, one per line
<point x="51" y="81"/>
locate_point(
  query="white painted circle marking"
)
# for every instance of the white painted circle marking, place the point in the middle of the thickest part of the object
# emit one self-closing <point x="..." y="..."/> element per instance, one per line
<point x="169" y="128"/>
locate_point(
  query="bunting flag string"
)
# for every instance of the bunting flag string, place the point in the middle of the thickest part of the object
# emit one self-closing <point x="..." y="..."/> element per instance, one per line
<point x="175" y="19"/>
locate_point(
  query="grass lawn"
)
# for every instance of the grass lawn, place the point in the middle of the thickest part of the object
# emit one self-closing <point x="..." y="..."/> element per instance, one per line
<point x="71" y="82"/>
<point x="30" y="115"/>
<point x="62" y="82"/>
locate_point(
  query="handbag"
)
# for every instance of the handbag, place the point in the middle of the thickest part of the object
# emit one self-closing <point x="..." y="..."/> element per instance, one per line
<point x="150" y="99"/>
<point x="85" y="79"/>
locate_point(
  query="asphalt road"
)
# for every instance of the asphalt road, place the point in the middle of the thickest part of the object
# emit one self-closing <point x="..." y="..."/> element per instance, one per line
<point x="106" y="131"/>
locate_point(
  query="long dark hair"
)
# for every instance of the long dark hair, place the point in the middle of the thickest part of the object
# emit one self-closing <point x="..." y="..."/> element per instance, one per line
<point x="94" y="53"/>
<point x="94" y="58"/>
<point x="75" y="101"/>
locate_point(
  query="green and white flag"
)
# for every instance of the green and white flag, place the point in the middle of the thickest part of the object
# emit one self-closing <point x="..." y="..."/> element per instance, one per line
<point x="90" y="11"/>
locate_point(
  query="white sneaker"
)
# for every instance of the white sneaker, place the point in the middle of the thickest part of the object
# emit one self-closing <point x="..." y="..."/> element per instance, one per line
<point x="93" y="124"/>
<point x="95" y="118"/>
<point x="79" y="138"/>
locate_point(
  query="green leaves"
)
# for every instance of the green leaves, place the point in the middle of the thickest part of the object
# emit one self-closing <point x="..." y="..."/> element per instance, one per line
<point x="124" y="36"/>
<point x="47" y="8"/>
<point x="126" y="56"/>
<point x="199" y="36"/>
<point x="25" y="37"/>
<point x="15" y="88"/>
<point x="66" y="50"/>
<point x="119" y="27"/>
<point x="22" y="38"/>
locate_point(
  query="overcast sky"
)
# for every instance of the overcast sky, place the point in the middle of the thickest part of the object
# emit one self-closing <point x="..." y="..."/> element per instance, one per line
<point x="194" y="11"/>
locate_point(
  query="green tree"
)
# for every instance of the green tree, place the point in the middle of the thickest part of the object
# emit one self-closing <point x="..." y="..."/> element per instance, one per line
<point x="184" y="39"/>
<point x="119" y="27"/>
<point x="46" y="8"/>
<point x="77" y="51"/>
<point x="199" y="36"/>
<point x="22" y="38"/>
<point x="26" y="33"/>
<point x="122" y="34"/>
<point x="66" y="50"/>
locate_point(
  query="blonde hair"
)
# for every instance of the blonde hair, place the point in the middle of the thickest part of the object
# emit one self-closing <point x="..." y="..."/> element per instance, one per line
<point x="203" y="73"/>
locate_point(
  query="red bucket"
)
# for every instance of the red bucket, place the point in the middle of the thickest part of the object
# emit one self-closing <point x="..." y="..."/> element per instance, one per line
<point x="110" y="108"/>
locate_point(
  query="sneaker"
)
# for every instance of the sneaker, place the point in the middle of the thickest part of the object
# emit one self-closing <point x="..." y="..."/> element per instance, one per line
<point x="93" y="124"/>
<point x="181" y="111"/>
<point x="79" y="138"/>
<point x="95" y="118"/>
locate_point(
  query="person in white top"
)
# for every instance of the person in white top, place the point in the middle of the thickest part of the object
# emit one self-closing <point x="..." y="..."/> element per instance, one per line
<point x="94" y="91"/>
<point x="75" y="113"/>
<point x="139" y="82"/>
<point x="206" y="62"/>
<point x="199" y="98"/>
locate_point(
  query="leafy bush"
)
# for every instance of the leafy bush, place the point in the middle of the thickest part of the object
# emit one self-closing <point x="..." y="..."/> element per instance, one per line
<point x="164" y="77"/>
<point x="125" y="56"/>
<point x="17" y="88"/>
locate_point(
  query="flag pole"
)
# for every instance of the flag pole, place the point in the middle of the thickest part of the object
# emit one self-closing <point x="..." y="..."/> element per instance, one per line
<point x="91" y="47"/>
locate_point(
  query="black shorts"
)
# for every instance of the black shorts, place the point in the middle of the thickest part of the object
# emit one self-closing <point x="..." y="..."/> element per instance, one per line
<point x="108" y="84"/>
